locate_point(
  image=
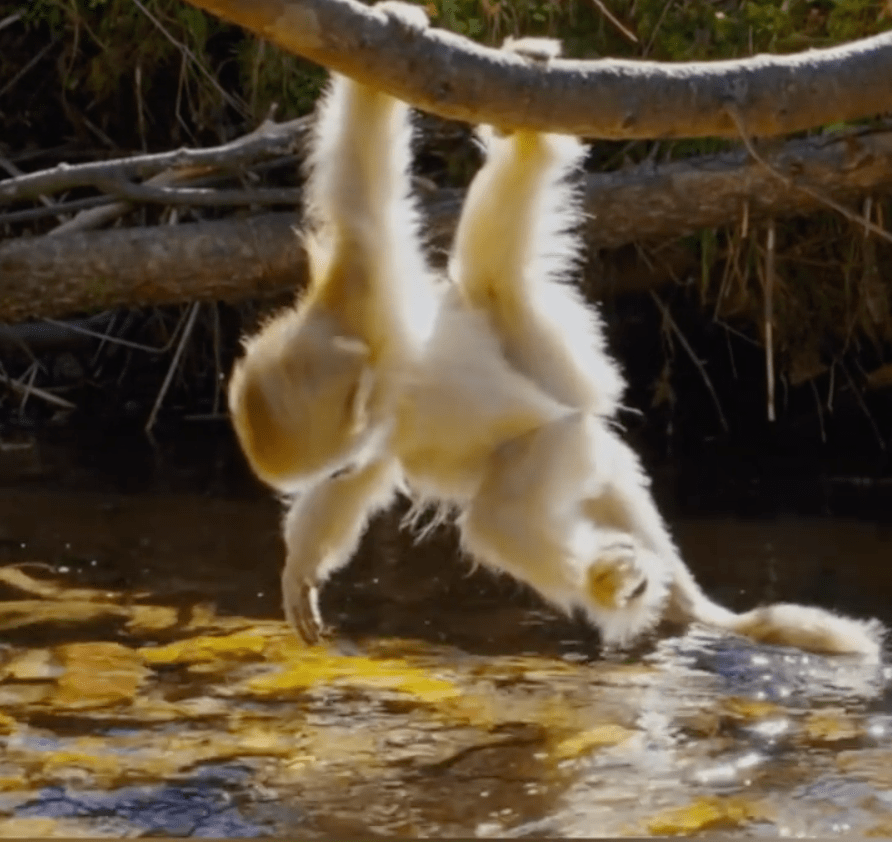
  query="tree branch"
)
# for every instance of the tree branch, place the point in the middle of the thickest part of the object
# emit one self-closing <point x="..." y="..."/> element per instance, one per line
<point x="446" y="74"/>
<point x="269" y="139"/>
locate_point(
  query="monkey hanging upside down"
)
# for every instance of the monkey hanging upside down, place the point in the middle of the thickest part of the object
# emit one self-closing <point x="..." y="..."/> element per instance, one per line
<point x="489" y="392"/>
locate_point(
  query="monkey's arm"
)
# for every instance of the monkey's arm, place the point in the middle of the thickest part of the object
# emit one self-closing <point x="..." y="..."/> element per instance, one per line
<point x="316" y="385"/>
<point x="322" y="529"/>
<point x="366" y="261"/>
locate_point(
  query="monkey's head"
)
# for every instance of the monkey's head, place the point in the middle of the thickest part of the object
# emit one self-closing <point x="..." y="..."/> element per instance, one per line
<point x="302" y="399"/>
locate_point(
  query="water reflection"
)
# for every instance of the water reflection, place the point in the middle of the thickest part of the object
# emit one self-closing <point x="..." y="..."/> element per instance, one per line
<point x="148" y="685"/>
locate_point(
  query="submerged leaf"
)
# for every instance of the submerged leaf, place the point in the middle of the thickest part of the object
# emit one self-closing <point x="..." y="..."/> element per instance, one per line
<point x="207" y="648"/>
<point x="18" y="828"/>
<point x="32" y="665"/>
<point x="98" y="674"/>
<point x="10" y="783"/>
<point x="22" y="613"/>
<point x="314" y="667"/>
<point x="600" y="736"/>
<point x="830" y="726"/>
<point x="704" y="814"/>
<point x="738" y="707"/>
<point x="61" y="761"/>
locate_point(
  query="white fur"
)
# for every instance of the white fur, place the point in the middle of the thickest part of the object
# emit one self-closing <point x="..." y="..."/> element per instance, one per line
<point x="492" y="394"/>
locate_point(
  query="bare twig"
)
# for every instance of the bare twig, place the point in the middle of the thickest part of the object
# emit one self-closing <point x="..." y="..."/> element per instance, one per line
<point x="174" y="364"/>
<point x="15" y="79"/>
<point x="9" y="20"/>
<point x="659" y="23"/>
<point x="768" y="316"/>
<point x="14" y="171"/>
<point x="60" y="208"/>
<point x="199" y="196"/>
<point x="814" y="391"/>
<point x="237" y="104"/>
<point x="623" y="30"/>
<point x="31" y="389"/>
<point x="113" y="340"/>
<point x="796" y="185"/>
<point x="860" y="399"/>
<point x="267" y="140"/>
<point x="667" y="316"/>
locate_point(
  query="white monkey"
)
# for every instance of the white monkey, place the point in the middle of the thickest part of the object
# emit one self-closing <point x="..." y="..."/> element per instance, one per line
<point x="491" y="393"/>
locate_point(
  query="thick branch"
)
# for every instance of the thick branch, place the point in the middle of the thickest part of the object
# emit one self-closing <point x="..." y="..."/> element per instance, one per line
<point x="54" y="276"/>
<point x="236" y="259"/>
<point x="681" y="197"/>
<point x="448" y="75"/>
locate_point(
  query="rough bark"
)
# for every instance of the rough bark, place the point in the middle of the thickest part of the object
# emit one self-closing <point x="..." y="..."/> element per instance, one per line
<point x="448" y="75"/>
<point x="232" y="259"/>
<point x="54" y="276"/>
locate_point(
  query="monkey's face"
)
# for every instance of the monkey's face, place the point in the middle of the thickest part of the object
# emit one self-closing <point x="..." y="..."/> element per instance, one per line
<point x="302" y="400"/>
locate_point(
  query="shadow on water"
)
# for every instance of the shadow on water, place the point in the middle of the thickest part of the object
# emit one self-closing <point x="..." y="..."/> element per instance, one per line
<point x="149" y="686"/>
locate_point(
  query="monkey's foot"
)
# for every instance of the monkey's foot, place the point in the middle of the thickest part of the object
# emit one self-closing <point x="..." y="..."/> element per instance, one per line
<point x="408" y="15"/>
<point x="301" y="600"/>
<point x="625" y="589"/>
<point x="615" y="579"/>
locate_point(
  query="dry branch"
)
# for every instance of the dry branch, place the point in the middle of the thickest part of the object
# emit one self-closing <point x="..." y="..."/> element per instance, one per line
<point x="681" y="197"/>
<point x="446" y="74"/>
<point x="235" y="259"/>
<point x="54" y="276"/>
<point x="267" y="140"/>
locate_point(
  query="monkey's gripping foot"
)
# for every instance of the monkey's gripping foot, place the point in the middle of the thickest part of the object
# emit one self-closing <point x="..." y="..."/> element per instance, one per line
<point x="301" y="598"/>
<point x="615" y="579"/>
<point x="625" y="590"/>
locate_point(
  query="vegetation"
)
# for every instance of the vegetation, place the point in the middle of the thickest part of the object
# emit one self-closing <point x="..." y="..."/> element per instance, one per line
<point x="86" y="79"/>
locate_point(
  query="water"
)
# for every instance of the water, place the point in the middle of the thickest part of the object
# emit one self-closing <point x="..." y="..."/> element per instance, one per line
<point x="149" y="686"/>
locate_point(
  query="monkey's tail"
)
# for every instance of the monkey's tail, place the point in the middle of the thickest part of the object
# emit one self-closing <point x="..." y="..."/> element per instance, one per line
<point x="784" y="624"/>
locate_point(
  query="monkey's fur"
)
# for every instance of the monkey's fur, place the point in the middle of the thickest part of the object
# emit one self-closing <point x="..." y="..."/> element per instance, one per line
<point x="490" y="392"/>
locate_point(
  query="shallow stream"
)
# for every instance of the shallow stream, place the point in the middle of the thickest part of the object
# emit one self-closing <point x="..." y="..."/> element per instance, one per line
<point x="149" y="685"/>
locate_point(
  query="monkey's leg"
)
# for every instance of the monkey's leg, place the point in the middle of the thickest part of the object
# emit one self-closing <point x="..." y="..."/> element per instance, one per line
<point x="532" y="517"/>
<point x="322" y="528"/>
<point x="804" y="627"/>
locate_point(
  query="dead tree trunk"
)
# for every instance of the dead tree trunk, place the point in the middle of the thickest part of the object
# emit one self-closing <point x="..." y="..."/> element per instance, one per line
<point x="232" y="259"/>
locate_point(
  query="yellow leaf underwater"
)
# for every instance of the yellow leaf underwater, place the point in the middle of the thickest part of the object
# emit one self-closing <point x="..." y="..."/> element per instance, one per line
<point x="831" y="726"/>
<point x="749" y="710"/>
<point x="33" y="665"/>
<point x="98" y="674"/>
<point x="22" y="613"/>
<point x="704" y="814"/>
<point x="319" y="667"/>
<point x="23" y="828"/>
<point x="10" y="783"/>
<point x="600" y="736"/>
<point x="207" y="648"/>
<point x="65" y="761"/>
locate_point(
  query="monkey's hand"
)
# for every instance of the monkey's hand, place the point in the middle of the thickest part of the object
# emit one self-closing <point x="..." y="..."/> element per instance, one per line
<point x="301" y="601"/>
<point x="322" y="530"/>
